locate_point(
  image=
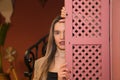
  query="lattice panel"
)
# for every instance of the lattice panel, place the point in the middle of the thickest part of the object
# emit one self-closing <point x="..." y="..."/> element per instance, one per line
<point x="87" y="62"/>
<point x="86" y="18"/>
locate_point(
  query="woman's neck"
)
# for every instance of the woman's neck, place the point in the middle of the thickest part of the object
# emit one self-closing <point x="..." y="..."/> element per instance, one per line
<point x="60" y="53"/>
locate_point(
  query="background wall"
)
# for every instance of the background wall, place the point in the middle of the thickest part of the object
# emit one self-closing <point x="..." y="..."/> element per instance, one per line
<point x="30" y="22"/>
<point x="115" y="40"/>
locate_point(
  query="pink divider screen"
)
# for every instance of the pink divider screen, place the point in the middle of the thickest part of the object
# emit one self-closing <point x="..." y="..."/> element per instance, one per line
<point x="87" y="39"/>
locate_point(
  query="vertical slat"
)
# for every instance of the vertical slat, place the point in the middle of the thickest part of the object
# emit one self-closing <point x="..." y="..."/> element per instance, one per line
<point x="106" y="25"/>
<point x="68" y="6"/>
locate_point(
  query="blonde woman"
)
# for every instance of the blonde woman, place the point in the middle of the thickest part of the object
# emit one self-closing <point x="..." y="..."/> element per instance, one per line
<point x="53" y="65"/>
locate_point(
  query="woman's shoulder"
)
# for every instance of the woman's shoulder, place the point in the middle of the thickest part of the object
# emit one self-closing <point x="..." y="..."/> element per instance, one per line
<point x="40" y="60"/>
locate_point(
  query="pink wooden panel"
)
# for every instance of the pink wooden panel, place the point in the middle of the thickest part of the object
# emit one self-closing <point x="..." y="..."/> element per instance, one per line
<point x="87" y="39"/>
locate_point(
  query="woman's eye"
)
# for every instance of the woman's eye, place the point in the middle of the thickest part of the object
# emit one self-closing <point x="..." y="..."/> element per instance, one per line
<point x="56" y="32"/>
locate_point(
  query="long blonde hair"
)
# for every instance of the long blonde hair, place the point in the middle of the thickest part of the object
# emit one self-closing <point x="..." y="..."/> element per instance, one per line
<point x="50" y="52"/>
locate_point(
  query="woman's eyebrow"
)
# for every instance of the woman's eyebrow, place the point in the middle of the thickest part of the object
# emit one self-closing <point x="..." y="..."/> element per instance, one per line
<point x="56" y="30"/>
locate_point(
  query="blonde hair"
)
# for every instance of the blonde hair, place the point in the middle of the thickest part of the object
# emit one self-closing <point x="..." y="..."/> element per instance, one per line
<point x="50" y="52"/>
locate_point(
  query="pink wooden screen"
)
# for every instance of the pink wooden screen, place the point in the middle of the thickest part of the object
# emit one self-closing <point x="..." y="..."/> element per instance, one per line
<point x="87" y="39"/>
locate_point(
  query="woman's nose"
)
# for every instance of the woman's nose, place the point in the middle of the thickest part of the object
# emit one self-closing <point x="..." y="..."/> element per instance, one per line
<point x="62" y="36"/>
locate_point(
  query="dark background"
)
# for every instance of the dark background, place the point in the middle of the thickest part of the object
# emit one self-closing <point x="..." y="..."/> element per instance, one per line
<point x="30" y="22"/>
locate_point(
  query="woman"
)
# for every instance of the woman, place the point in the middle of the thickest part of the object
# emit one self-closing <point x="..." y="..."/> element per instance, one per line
<point x="53" y="65"/>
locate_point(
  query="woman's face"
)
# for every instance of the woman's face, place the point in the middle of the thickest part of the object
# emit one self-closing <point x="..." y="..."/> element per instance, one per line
<point x="59" y="35"/>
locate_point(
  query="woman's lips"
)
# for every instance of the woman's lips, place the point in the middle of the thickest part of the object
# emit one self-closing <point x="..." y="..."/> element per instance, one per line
<point x="62" y="42"/>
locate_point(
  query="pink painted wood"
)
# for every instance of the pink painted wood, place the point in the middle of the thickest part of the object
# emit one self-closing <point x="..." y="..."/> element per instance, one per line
<point x="87" y="39"/>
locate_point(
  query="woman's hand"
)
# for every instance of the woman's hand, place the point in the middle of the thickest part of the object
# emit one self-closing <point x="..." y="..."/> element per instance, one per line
<point x="63" y="12"/>
<point x="63" y="73"/>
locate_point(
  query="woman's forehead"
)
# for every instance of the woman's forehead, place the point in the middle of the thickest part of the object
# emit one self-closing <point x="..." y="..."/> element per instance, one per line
<point x="62" y="20"/>
<point x="59" y="26"/>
